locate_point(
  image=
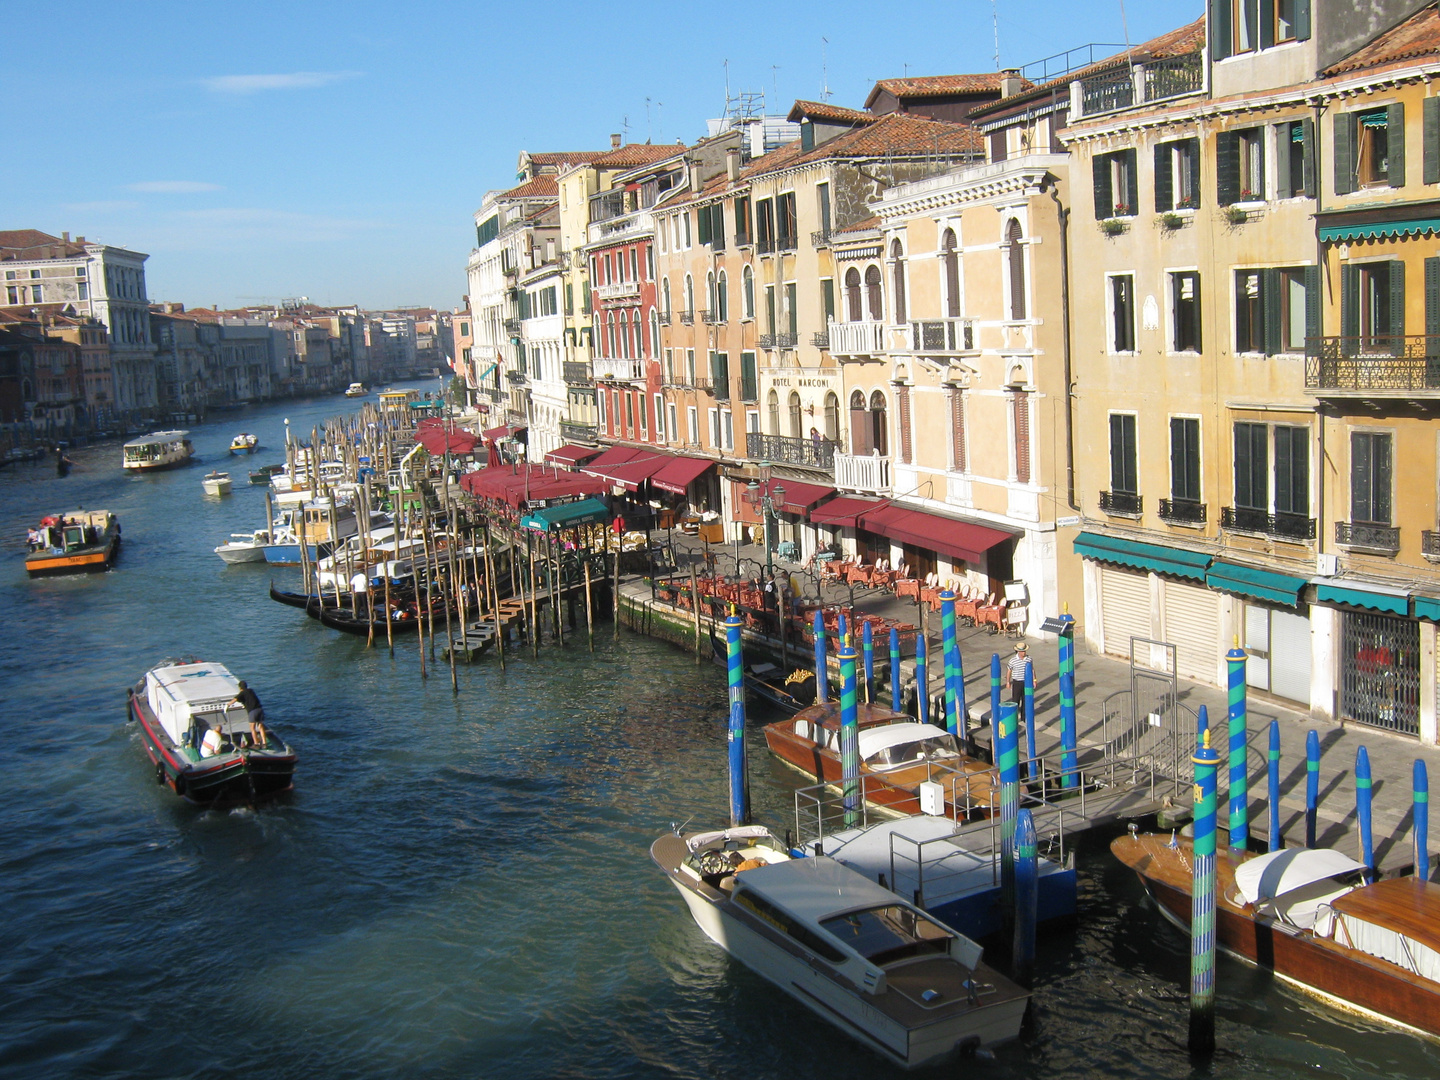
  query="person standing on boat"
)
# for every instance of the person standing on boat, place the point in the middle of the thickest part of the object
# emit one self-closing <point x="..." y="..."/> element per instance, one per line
<point x="248" y="700"/>
<point x="1018" y="663"/>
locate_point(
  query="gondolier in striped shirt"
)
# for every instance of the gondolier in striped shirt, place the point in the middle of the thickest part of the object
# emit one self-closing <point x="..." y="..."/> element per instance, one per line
<point x="1018" y="663"/>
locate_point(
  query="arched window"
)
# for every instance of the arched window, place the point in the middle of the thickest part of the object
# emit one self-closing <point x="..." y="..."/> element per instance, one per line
<point x="874" y="301"/>
<point x="832" y="417"/>
<point x="1015" y="256"/>
<point x="950" y="272"/>
<point x="747" y="282"/>
<point x="796" y="430"/>
<point x="879" y="430"/>
<point x="853" y="311"/>
<point x="610" y="331"/>
<point x="710" y="305"/>
<point x="665" y="295"/>
<point x="689" y="295"/>
<point x="654" y="332"/>
<point x="637" y="333"/>
<point x="773" y="408"/>
<point x="857" y="400"/>
<point x="722" y="302"/>
<point x="622" y="331"/>
<point x="897" y="265"/>
<point x="860" y="430"/>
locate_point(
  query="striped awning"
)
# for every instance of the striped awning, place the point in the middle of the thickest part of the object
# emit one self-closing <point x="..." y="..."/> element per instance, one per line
<point x="1379" y="230"/>
<point x="1376" y="598"/>
<point x="1252" y="581"/>
<point x="1177" y="562"/>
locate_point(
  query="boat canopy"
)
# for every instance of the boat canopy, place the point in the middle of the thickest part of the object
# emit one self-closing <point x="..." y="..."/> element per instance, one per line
<point x="875" y="739"/>
<point x="1395" y="920"/>
<point x="740" y="832"/>
<point x="158" y="438"/>
<point x="1269" y="876"/>
<point x="816" y="888"/>
<point x="179" y="691"/>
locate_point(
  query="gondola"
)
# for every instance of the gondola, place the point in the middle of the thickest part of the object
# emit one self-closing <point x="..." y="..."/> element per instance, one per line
<point x="297" y="600"/>
<point x="349" y="621"/>
<point x="788" y="693"/>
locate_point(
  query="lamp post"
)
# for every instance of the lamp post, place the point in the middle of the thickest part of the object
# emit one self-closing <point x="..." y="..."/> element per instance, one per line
<point x="769" y="500"/>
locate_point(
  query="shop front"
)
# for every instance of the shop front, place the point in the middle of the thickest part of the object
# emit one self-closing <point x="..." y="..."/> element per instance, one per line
<point x="1379" y="664"/>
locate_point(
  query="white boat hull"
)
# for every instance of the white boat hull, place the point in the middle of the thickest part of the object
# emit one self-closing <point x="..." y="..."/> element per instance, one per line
<point x="240" y="554"/>
<point x="217" y="487"/>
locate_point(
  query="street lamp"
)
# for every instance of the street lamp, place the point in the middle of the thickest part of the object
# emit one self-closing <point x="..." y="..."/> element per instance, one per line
<point x="769" y="501"/>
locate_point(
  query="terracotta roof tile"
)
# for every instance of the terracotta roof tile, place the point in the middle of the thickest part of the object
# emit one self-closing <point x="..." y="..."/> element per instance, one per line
<point x="941" y="85"/>
<point x="863" y="225"/>
<point x="32" y="244"/>
<point x="894" y="134"/>
<point x="569" y="157"/>
<point x="1416" y="37"/>
<point x="634" y="154"/>
<point x="820" y="110"/>
<point x="542" y="187"/>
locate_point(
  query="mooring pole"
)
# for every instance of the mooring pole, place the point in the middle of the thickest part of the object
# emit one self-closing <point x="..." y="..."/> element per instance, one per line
<point x="994" y="689"/>
<point x="1033" y="766"/>
<point x="1239" y="740"/>
<point x="922" y="679"/>
<point x="867" y="644"/>
<point x="1420" y="819"/>
<point x="1202" y="903"/>
<point x="822" y="693"/>
<point x="1007" y="758"/>
<point x="954" y="686"/>
<point x="849" y="735"/>
<point x="1069" y="760"/>
<point x="1312" y="784"/>
<point x="1274" y="785"/>
<point x="590" y="610"/>
<point x="739" y="773"/>
<point x="897" y="702"/>
<point x="1363" y="797"/>
<point x="1027" y="900"/>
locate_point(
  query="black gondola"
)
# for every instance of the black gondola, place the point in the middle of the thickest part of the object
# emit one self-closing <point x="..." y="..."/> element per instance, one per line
<point x="293" y="599"/>
<point x="349" y="621"/>
<point x="769" y="682"/>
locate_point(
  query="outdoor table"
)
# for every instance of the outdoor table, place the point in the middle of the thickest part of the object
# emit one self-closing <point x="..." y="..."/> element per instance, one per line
<point x="908" y="587"/>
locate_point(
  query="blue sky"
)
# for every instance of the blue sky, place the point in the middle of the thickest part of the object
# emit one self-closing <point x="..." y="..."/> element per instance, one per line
<point x="337" y="151"/>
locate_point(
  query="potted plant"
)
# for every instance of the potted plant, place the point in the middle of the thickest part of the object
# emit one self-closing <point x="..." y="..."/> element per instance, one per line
<point x="1113" y="226"/>
<point x="1236" y="215"/>
<point x="1171" y="220"/>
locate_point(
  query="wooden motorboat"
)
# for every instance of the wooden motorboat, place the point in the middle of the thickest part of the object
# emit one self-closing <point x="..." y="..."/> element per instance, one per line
<point x="158" y="450"/>
<point x="1304" y="915"/>
<point x="325" y="525"/>
<point x="244" y="443"/>
<point x="264" y="474"/>
<point x="178" y="705"/>
<point x="897" y="755"/>
<point x="244" y="547"/>
<point x="853" y="952"/>
<point x="83" y="542"/>
<point x="217" y="483"/>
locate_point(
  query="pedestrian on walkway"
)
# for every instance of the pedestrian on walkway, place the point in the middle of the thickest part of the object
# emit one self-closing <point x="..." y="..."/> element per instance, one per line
<point x="1018" y="663"/>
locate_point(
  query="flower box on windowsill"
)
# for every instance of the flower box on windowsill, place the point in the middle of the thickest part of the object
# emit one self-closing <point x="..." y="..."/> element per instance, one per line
<point x="1171" y="220"/>
<point x="1238" y="213"/>
<point x="1114" y="226"/>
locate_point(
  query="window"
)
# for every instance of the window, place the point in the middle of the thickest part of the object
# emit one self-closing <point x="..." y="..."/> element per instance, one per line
<point x="747" y="283"/>
<point x="1295" y="159"/>
<point x="1185" y="459"/>
<point x="949" y="274"/>
<point x="685" y="219"/>
<point x="1292" y="470"/>
<point x="796" y="423"/>
<point x="690" y="366"/>
<point x="670" y="366"/>
<point x="1123" y="478"/>
<point x="1246" y="25"/>
<point x="629" y="412"/>
<point x="770" y="309"/>
<point x="711" y="306"/>
<point x="634" y="264"/>
<point x="827" y="300"/>
<point x="853" y="310"/>
<point x="742" y="222"/>
<point x="1177" y="175"/>
<point x="649" y="263"/>
<point x="1252" y="472"/>
<point x="692" y="421"/>
<point x="727" y="429"/>
<point x="1277" y="309"/>
<point x="1015" y="262"/>
<point x="1185" y="312"/>
<point x="785" y="221"/>
<point x="37" y="294"/>
<point x="873" y="297"/>
<point x="12" y="294"/>
<point x="1020" y="428"/>
<point x="1122" y="313"/>
<point x="1239" y="26"/>
<point x="1116" y="191"/>
<point x="957" y="429"/>
<point x="1370" y="148"/>
<point x="832" y="417"/>
<point x="722" y="300"/>
<point x="720" y="374"/>
<point x="1372" y="305"/>
<point x="665" y="296"/>
<point x="715" y="428"/>
<point x="1370" y="477"/>
<point x="822" y="193"/>
<point x="1240" y="166"/>
<point x="689" y="296"/>
<point x="1249" y="318"/>
<point x="1297" y="321"/>
<point x="659" y="418"/>
<point x="765" y="225"/>
<point x="749" y="382"/>
<point x="654" y="332"/>
<point x="792" y="310"/>
<point x="772" y="408"/>
<point x="1287" y="21"/>
<point x="672" y="420"/>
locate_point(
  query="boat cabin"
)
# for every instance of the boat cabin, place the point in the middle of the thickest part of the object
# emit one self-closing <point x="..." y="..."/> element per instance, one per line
<point x="189" y="699"/>
<point x="157" y="449"/>
<point x="72" y="532"/>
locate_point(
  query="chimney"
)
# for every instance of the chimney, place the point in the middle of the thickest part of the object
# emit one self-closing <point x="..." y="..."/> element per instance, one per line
<point x="65" y="236"/>
<point x="732" y="164"/>
<point x="550" y="249"/>
<point x="1010" y="82"/>
<point x="615" y="142"/>
<point x="694" y="167"/>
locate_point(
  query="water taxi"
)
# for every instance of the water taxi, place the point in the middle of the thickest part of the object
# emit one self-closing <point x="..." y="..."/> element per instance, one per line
<point x="244" y="547"/>
<point x="202" y="745"/>
<point x="217" y="483"/>
<point x="158" y="450"/>
<point x="83" y="542"/>
<point x="356" y="389"/>
<point x="244" y="443"/>
<point x="851" y="951"/>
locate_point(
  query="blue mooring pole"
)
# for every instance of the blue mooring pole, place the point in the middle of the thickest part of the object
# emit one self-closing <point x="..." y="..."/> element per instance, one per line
<point x="1069" y="760"/>
<point x="1274" y="787"/>
<point x="922" y="679"/>
<point x="842" y="628"/>
<point x="821" y="692"/>
<point x="1420" y="813"/>
<point x="994" y="689"/>
<point x="849" y="735"/>
<point x="1202" y="725"/>
<point x="1032" y="767"/>
<point x="1202" y="903"/>
<point x="739" y="774"/>
<point x="1239" y="745"/>
<point x="897" y="703"/>
<point x="1362" y="811"/>
<point x="1027" y="900"/>
<point x="1312" y="784"/>
<point x="1007" y="758"/>
<point x="867" y="643"/>
<point x="954" y="710"/>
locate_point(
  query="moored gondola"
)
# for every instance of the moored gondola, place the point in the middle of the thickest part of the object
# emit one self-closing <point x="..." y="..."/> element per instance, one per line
<point x="350" y="621"/>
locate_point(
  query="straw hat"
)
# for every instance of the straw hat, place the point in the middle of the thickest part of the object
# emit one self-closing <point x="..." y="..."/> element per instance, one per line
<point x="1020" y="646"/>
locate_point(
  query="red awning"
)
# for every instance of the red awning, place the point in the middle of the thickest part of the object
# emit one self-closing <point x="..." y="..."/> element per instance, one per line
<point x="495" y="434"/>
<point x="800" y="496"/>
<point x="631" y="474"/>
<point x="439" y="442"/>
<point x="845" y="510"/>
<point x="679" y="473"/>
<point x="573" y="455"/>
<point x="530" y="483"/>
<point x="946" y="535"/>
<point x="616" y="454"/>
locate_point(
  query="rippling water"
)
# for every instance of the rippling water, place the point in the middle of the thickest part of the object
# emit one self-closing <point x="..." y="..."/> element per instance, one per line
<point x="459" y="886"/>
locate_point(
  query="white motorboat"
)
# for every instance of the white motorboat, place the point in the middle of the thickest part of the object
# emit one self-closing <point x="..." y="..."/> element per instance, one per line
<point x="158" y="450"/>
<point x="850" y="950"/>
<point x="244" y="443"/>
<point x="245" y="547"/>
<point x="217" y="483"/>
<point x="356" y="389"/>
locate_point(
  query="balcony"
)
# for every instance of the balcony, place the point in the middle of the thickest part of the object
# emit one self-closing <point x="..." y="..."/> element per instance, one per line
<point x="577" y="373"/>
<point x="1107" y="92"/>
<point x="820" y="340"/>
<point x="495" y="394"/>
<point x="742" y="240"/>
<point x="943" y="336"/>
<point x="1392" y="366"/>
<point x="784" y="450"/>
<point x="1366" y="536"/>
<point x="1292" y="527"/>
<point x="620" y="370"/>
<point x="820" y="238"/>
<point x="581" y="433"/>
<point x="664" y="317"/>
<point x="857" y="338"/>
<point x="1122" y="503"/>
<point x="1173" y="77"/>
<point x="512" y="326"/>
<point x="709" y="318"/>
<point x="1430" y="544"/>
<point x="516" y="378"/>
<point x="863" y="472"/>
<point x="620" y="290"/>
<point x="1280" y="526"/>
<point x="687" y="318"/>
<point x="1182" y="512"/>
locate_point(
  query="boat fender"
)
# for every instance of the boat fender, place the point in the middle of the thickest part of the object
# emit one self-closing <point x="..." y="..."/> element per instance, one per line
<point x="159" y="773"/>
<point x="179" y="784"/>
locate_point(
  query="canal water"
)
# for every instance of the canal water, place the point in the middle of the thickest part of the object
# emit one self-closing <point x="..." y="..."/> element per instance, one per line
<point x="459" y="886"/>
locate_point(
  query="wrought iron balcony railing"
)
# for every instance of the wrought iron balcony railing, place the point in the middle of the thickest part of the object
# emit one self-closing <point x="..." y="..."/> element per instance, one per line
<point x="1403" y="363"/>
<point x="943" y="335"/>
<point x="784" y="450"/>
<point x="688" y="318"/>
<point x="664" y="317"/>
<point x="1182" y="511"/>
<point x="820" y="238"/>
<point x="1292" y="526"/>
<point x="577" y="373"/>
<point x="512" y="326"/>
<point x="578" y="432"/>
<point x="742" y="239"/>
<point x="786" y="341"/>
<point x="1430" y="543"/>
<point x="708" y="317"/>
<point x="1363" y="534"/>
<point x="1107" y="92"/>
<point x="767" y="341"/>
<point x="1122" y="503"/>
<point x="820" y="340"/>
<point x="1281" y="526"/>
<point x="1174" y="76"/>
<point x="765" y="246"/>
<point x="519" y="378"/>
<point x="495" y="394"/>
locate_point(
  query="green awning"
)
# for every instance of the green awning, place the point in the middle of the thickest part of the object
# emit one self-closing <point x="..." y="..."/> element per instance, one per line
<point x="1375" y="601"/>
<point x="1427" y="607"/>
<point x="567" y="515"/>
<point x="1163" y="560"/>
<point x="1251" y="581"/>
<point x="1377" y="230"/>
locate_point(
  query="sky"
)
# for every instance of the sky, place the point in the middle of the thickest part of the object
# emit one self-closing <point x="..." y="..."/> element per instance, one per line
<point x="258" y="150"/>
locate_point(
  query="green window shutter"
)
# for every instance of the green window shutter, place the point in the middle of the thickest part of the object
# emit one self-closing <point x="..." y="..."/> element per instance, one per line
<point x="1227" y="166"/>
<point x="1395" y="139"/>
<point x="1307" y="126"/>
<point x="1432" y="297"/>
<point x="1344" y="153"/>
<point x="1397" y="306"/>
<point x="827" y="293"/>
<point x="1104" y="204"/>
<point x="1164" y="180"/>
<point x="1192" y="154"/>
<point x="1430" y="140"/>
<point x="1132" y="180"/>
<point x="1302" y="20"/>
<point x="702" y="225"/>
<point x="1270" y="309"/>
<point x="1267" y="23"/>
<point x="1350" y="307"/>
<point x="1312" y="308"/>
<point x="1219" y="29"/>
<point x="1283" y="179"/>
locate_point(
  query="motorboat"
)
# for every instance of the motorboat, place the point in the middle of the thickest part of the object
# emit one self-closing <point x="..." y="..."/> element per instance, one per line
<point x="83" y="542"/>
<point x="324" y="523"/>
<point x="897" y="755"/>
<point x="200" y="743"/>
<point x="330" y="474"/>
<point x="245" y="547"/>
<point x="356" y="389"/>
<point x="217" y="483"/>
<point x="244" y="443"/>
<point x="158" y="450"/>
<point x="265" y="473"/>
<point x="1306" y="915"/>
<point x="853" y="952"/>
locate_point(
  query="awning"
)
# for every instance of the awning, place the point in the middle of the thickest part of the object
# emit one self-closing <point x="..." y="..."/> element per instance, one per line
<point x="844" y="511"/>
<point x="1254" y="582"/>
<point x="568" y="515"/>
<point x="935" y="532"/>
<point x="630" y="474"/>
<point x="440" y="442"/>
<point x="1427" y="607"/>
<point x="679" y="473"/>
<point x="1163" y="560"/>
<point x="800" y="496"/>
<point x="1378" y="230"/>
<point x="616" y="454"/>
<point x="530" y="483"/>
<point x="1375" y="598"/>
<point x="509" y="431"/>
<point x="571" y="454"/>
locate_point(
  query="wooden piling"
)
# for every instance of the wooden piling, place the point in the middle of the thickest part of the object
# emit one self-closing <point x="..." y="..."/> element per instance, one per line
<point x="589" y="606"/>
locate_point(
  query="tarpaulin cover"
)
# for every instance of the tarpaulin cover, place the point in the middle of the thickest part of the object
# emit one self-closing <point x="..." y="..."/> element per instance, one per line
<point x="631" y="474"/>
<point x="568" y="515"/>
<point x="495" y="434"/>
<point x="530" y="483"/>
<point x="1178" y="562"/>
<point x="934" y="532"/>
<point x="617" y="454"/>
<point x="800" y="496"/>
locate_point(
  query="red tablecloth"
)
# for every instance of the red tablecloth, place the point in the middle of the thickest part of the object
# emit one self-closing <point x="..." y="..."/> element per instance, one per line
<point x="908" y="587"/>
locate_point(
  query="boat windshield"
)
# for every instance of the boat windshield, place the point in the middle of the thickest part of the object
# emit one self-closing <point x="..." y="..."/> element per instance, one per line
<point x="910" y="753"/>
<point x="884" y="935"/>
